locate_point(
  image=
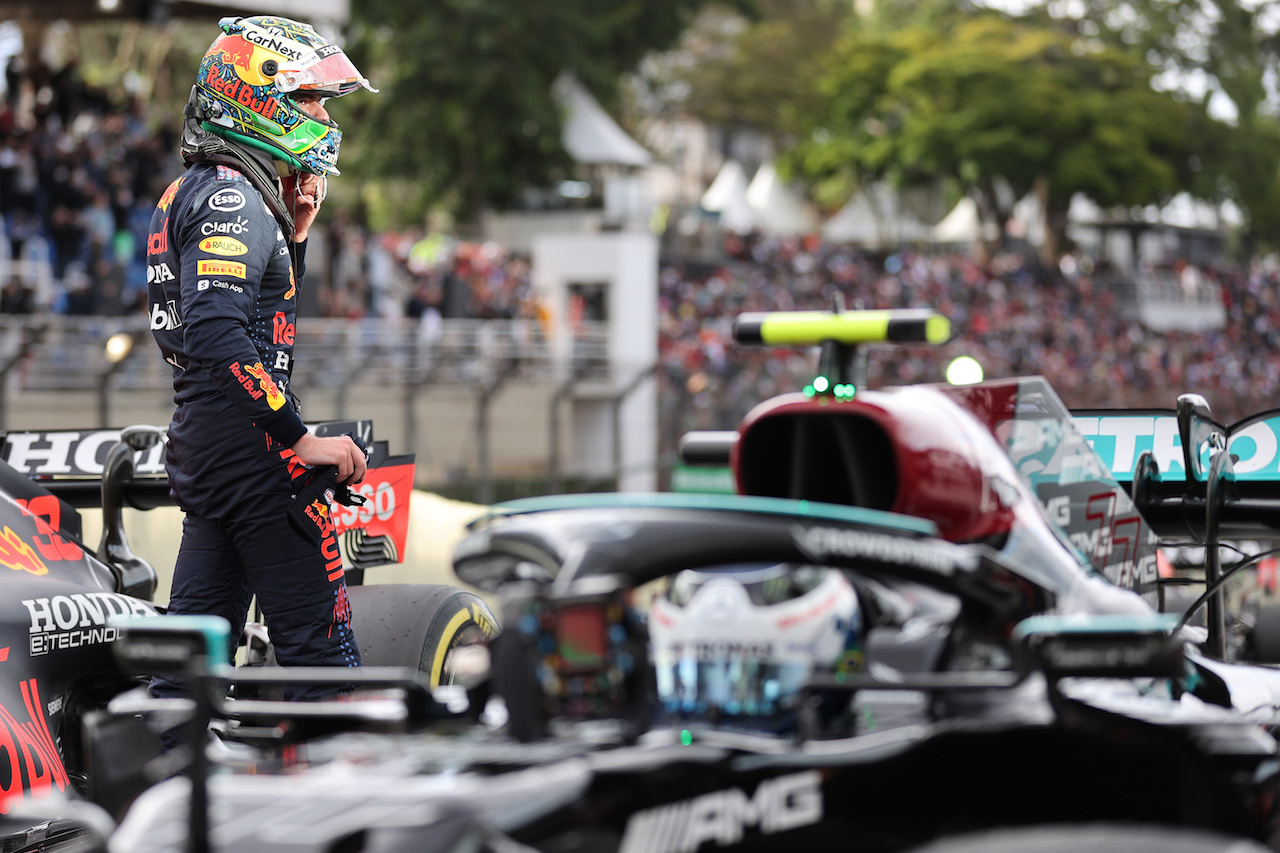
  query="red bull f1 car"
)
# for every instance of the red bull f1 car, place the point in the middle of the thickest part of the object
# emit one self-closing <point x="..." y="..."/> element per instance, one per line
<point x="62" y="596"/>
<point x="930" y="612"/>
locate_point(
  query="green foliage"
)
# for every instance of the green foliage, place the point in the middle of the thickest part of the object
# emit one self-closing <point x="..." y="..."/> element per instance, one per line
<point x="981" y="98"/>
<point x="758" y="77"/>
<point x="466" y="113"/>
<point x="1227" y="51"/>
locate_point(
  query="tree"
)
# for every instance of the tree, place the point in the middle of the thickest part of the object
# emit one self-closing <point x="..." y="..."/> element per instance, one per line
<point x="985" y="99"/>
<point x="466" y="116"/>
<point x="740" y="73"/>
<point x="1221" y="53"/>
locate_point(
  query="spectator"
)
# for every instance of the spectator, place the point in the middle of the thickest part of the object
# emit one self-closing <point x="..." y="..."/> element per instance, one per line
<point x="15" y="298"/>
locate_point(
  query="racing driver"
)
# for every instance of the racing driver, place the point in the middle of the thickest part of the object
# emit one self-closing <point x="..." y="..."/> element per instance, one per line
<point x="225" y="261"/>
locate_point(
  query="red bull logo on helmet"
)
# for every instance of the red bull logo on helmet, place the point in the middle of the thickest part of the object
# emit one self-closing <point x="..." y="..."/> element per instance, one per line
<point x="244" y="94"/>
<point x="235" y="52"/>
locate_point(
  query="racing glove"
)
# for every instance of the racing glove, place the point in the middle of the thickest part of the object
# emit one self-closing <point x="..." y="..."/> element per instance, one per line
<point x="317" y="490"/>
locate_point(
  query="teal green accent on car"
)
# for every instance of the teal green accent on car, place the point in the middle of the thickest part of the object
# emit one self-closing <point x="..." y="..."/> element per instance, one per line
<point x="1084" y="623"/>
<point x="808" y="510"/>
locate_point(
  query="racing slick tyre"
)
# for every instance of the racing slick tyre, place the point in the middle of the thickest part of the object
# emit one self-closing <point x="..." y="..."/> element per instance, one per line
<point x="1094" y="838"/>
<point x="418" y="625"/>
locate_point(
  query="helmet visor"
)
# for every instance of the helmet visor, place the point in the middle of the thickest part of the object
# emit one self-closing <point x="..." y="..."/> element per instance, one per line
<point x="328" y="73"/>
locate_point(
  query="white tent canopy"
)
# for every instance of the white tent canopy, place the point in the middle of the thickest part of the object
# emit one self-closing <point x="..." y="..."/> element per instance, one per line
<point x="963" y="225"/>
<point x="591" y="136"/>
<point x="875" y="218"/>
<point x="779" y="209"/>
<point x="727" y="196"/>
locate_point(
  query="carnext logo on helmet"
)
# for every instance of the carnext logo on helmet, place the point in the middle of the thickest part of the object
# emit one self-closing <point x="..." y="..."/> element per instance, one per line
<point x="270" y="42"/>
<point x="227" y="201"/>
<point x="822" y="542"/>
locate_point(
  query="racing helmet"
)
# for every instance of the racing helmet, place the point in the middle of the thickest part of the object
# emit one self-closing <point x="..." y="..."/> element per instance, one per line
<point x="249" y="77"/>
<point x="734" y="645"/>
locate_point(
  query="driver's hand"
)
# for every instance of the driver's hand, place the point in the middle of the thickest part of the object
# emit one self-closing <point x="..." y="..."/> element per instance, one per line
<point x="303" y="194"/>
<point x="338" y="450"/>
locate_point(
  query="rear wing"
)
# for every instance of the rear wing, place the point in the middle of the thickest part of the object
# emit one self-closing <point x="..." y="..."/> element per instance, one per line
<point x="1163" y="457"/>
<point x="113" y="468"/>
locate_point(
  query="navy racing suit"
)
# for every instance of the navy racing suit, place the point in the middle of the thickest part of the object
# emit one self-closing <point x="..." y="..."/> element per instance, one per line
<point x="222" y="295"/>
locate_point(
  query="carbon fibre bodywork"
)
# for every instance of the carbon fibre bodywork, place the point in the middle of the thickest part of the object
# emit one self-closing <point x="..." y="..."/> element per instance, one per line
<point x="55" y="641"/>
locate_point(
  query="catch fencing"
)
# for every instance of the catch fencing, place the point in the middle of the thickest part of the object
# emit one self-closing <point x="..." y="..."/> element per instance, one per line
<point x="478" y="401"/>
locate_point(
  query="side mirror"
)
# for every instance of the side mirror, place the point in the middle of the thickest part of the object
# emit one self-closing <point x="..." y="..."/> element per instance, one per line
<point x="1196" y="428"/>
<point x="707" y="447"/>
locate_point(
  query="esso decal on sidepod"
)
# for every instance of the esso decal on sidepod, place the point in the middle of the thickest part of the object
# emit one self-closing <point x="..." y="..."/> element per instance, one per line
<point x="387" y="491"/>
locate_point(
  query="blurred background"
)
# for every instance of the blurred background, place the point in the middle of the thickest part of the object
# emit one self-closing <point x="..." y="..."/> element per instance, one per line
<point x="550" y="215"/>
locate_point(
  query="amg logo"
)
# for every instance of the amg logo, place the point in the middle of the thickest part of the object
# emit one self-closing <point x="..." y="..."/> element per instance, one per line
<point x="823" y="542"/>
<point x="722" y="818"/>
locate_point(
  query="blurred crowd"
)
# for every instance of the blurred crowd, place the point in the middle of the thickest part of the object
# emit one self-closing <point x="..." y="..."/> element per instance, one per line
<point x="80" y="173"/>
<point x="1014" y="315"/>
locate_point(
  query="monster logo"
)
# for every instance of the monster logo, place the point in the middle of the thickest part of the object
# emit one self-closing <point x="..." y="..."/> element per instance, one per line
<point x="274" y="398"/>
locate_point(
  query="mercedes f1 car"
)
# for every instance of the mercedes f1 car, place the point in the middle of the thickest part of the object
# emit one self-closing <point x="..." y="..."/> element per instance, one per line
<point x="931" y="611"/>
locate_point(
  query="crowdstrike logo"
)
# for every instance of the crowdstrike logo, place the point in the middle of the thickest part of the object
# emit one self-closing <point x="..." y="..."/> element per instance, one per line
<point x="822" y="542"/>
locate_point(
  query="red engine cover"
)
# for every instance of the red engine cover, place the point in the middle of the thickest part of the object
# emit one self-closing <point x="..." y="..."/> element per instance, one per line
<point x="919" y="452"/>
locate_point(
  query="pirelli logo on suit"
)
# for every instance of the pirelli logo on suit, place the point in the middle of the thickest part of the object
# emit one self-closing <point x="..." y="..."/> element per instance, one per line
<point x="231" y="268"/>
